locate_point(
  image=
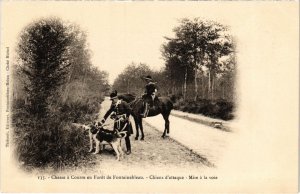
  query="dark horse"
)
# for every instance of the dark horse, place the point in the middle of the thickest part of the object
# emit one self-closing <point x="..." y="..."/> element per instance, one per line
<point x="163" y="105"/>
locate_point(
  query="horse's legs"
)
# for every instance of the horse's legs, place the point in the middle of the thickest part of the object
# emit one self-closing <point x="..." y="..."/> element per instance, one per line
<point x="136" y="122"/>
<point x="167" y="124"/>
<point x="141" y="127"/>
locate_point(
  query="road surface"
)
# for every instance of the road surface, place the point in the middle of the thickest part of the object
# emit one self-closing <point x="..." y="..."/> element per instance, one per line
<point x="207" y="142"/>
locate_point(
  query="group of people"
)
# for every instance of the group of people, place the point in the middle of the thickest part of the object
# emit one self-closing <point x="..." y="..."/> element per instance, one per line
<point x="120" y="111"/>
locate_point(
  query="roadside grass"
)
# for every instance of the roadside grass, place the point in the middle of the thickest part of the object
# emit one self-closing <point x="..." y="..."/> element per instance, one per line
<point x="52" y="142"/>
<point x="220" y="109"/>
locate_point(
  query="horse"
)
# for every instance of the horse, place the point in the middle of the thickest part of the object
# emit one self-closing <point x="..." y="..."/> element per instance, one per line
<point x="162" y="105"/>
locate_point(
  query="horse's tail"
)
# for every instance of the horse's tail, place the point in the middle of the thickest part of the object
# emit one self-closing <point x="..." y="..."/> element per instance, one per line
<point x="173" y="98"/>
<point x="167" y="103"/>
<point x="170" y="104"/>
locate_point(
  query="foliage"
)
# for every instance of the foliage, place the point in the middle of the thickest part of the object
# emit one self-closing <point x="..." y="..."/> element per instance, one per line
<point x="42" y="51"/>
<point x="220" y="108"/>
<point x="55" y="85"/>
<point x="130" y="80"/>
<point x="199" y="49"/>
<point x="48" y="142"/>
<point x="199" y="70"/>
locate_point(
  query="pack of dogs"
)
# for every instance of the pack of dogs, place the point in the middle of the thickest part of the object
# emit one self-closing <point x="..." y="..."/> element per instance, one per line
<point x="99" y="137"/>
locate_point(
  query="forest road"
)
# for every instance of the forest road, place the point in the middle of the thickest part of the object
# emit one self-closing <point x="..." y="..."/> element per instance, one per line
<point x="190" y="147"/>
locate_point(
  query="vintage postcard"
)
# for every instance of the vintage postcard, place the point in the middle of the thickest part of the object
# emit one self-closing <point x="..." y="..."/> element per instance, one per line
<point x="149" y="96"/>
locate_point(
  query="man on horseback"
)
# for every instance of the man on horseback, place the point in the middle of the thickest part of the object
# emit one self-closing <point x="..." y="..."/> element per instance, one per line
<point x="120" y="112"/>
<point x="150" y="94"/>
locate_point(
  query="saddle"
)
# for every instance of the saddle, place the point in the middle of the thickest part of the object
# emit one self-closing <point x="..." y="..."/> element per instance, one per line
<point x="148" y="99"/>
<point x="150" y="104"/>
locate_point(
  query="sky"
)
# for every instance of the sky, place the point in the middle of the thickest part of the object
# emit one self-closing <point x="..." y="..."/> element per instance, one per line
<point x="119" y="33"/>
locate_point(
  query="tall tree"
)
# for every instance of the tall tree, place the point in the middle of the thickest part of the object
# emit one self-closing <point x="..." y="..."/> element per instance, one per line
<point x="199" y="43"/>
<point x="175" y="53"/>
<point x="43" y="58"/>
<point x="188" y="34"/>
<point x="219" y="45"/>
<point x="55" y="73"/>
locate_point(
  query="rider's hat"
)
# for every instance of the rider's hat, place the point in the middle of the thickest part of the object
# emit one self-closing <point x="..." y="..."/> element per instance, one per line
<point x="148" y="78"/>
<point x="113" y="95"/>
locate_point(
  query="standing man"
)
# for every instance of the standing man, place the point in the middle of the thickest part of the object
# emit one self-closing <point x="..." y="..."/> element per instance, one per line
<point x="120" y="112"/>
<point x="149" y="95"/>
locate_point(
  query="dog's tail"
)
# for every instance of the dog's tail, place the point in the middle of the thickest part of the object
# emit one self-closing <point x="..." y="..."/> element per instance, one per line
<point x="82" y="126"/>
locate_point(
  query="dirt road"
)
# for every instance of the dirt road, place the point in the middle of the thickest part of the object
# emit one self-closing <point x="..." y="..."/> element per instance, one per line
<point x="208" y="142"/>
<point x="191" y="147"/>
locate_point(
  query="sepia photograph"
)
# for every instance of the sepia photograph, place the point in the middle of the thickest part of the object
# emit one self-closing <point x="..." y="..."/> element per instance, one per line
<point x="149" y="96"/>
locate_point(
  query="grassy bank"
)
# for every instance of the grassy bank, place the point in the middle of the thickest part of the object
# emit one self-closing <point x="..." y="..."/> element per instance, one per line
<point x="219" y="109"/>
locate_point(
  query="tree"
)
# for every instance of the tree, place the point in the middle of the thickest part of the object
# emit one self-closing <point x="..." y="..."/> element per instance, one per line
<point x="219" y="45"/>
<point x="129" y="81"/>
<point x="198" y="43"/>
<point x="81" y="72"/>
<point x="43" y="58"/>
<point x="176" y="56"/>
<point x="188" y="34"/>
<point x="55" y="73"/>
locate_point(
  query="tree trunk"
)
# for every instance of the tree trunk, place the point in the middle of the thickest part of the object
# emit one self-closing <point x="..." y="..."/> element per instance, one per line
<point x="212" y="87"/>
<point x="209" y="84"/>
<point x="184" y="86"/>
<point x="196" y="85"/>
<point x="203" y="87"/>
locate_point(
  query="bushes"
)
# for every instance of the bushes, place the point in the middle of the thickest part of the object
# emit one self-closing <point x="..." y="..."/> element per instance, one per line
<point x="53" y="144"/>
<point x="79" y="112"/>
<point x="56" y="79"/>
<point x="81" y="103"/>
<point x="50" y="141"/>
<point x="212" y="108"/>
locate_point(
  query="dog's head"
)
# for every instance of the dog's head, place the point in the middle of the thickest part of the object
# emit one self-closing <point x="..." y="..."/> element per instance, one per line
<point x="95" y="127"/>
<point x="96" y="123"/>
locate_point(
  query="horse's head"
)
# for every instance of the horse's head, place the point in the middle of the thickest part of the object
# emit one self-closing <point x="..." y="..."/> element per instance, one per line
<point x="127" y="97"/>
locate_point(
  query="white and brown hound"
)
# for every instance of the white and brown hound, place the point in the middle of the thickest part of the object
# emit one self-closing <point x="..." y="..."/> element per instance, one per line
<point x="102" y="136"/>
